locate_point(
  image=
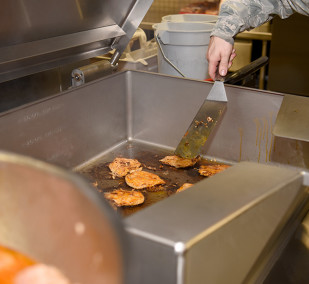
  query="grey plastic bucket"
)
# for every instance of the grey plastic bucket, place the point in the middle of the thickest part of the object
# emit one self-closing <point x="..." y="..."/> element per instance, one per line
<point x="190" y="18"/>
<point x="182" y="48"/>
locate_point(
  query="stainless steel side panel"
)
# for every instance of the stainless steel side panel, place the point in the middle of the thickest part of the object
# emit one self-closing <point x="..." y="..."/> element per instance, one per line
<point x="164" y="106"/>
<point x="293" y="118"/>
<point x="69" y="129"/>
<point x="77" y="125"/>
<point x="225" y="229"/>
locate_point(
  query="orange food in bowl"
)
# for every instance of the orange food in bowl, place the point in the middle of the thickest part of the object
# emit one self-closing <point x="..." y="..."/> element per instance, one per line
<point x="11" y="262"/>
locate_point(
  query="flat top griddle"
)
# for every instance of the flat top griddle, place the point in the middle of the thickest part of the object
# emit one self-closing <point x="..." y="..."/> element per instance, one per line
<point x="99" y="175"/>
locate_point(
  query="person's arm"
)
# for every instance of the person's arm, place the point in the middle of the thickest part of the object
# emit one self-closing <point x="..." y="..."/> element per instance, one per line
<point x="237" y="16"/>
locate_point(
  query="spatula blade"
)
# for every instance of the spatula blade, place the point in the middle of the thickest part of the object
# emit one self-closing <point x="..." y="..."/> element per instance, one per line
<point x="217" y="92"/>
<point x="203" y="123"/>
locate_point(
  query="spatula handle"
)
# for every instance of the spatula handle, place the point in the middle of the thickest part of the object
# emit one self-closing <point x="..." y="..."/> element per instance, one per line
<point x="246" y="70"/>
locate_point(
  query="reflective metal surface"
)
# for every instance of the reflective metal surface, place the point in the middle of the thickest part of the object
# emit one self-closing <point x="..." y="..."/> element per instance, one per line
<point x="225" y="229"/>
<point x="293" y="118"/>
<point x="27" y="89"/>
<point x="291" y="267"/>
<point x="145" y="107"/>
<point x="56" y="218"/>
<point x="203" y="123"/>
<point x="27" y="21"/>
<point x="36" y="36"/>
<point x="251" y="206"/>
<point x="91" y="72"/>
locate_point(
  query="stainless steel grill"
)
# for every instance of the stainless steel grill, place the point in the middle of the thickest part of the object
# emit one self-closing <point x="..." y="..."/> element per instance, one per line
<point x="230" y="228"/>
<point x="252" y="208"/>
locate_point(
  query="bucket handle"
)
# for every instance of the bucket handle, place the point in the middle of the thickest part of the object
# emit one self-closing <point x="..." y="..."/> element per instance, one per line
<point x="158" y="40"/>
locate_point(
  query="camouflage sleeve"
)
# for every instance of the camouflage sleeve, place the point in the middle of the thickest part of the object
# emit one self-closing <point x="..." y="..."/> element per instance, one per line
<point x="240" y="15"/>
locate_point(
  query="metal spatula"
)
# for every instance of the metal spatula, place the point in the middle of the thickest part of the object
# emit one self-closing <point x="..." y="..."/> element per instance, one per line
<point x="211" y="111"/>
<point x="203" y="123"/>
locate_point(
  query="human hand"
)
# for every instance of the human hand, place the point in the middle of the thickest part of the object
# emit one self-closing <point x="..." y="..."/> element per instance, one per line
<point x="220" y="55"/>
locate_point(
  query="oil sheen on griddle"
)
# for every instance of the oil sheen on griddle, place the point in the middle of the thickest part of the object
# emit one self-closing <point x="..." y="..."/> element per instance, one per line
<point x="100" y="175"/>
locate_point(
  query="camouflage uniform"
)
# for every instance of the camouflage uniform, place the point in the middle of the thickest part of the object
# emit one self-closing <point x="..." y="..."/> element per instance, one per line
<point x="240" y="15"/>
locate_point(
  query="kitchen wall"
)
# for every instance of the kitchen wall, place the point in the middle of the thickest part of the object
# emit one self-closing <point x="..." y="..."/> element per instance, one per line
<point x="289" y="56"/>
<point x="161" y="8"/>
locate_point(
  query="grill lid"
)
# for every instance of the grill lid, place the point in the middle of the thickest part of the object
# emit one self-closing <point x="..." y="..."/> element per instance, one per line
<point x="40" y="35"/>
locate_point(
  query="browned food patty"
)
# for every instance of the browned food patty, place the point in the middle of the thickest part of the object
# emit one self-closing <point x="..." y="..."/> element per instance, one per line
<point x="142" y="179"/>
<point x="123" y="197"/>
<point x="211" y="170"/>
<point x="184" y="187"/>
<point x="120" y="167"/>
<point x="179" y="162"/>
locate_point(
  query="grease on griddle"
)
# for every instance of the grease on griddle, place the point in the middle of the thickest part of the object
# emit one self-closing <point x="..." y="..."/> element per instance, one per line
<point x="149" y="157"/>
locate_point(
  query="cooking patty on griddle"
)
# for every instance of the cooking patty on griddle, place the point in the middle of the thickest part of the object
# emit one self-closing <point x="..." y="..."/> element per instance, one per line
<point x="143" y="179"/>
<point x="210" y="170"/>
<point x="184" y="187"/>
<point x="122" y="197"/>
<point x="120" y="167"/>
<point x="178" y="162"/>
